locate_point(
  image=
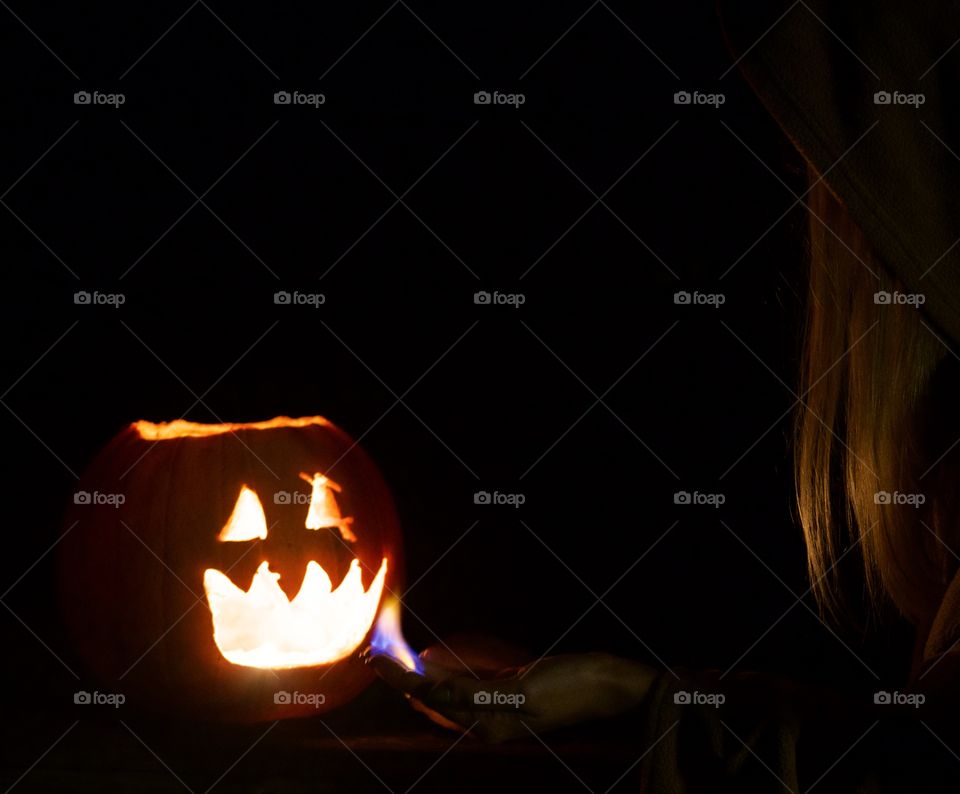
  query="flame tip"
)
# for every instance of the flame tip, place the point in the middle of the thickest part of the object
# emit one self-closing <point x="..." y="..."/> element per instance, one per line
<point x="388" y="637"/>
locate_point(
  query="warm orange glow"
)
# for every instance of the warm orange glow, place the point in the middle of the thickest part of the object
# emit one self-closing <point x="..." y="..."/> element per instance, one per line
<point x="262" y="628"/>
<point x="180" y="428"/>
<point x="324" y="511"/>
<point x="247" y="521"/>
<point x="388" y="638"/>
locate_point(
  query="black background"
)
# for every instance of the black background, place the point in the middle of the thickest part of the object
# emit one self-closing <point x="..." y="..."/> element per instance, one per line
<point x="493" y="397"/>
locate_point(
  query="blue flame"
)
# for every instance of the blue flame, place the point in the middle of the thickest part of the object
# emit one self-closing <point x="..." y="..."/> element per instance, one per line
<point x="388" y="638"/>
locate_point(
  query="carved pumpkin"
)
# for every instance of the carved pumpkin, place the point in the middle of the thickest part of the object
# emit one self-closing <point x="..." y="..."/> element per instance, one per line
<point x="232" y="570"/>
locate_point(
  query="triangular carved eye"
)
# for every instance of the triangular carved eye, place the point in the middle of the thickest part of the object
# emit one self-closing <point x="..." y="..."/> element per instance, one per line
<point x="324" y="511"/>
<point x="247" y="521"/>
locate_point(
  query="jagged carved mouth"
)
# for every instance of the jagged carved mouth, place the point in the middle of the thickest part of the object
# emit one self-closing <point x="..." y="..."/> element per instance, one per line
<point x="261" y="627"/>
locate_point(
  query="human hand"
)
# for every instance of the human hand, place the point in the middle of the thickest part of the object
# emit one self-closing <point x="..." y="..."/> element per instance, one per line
<point x="549" y="693"/>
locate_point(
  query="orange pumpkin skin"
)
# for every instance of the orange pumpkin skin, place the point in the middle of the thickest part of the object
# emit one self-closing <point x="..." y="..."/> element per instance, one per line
<point x="132" y="575"/>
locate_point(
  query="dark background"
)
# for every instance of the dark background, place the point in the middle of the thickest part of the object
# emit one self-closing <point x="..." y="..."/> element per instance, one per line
<point x="508" y="397"/>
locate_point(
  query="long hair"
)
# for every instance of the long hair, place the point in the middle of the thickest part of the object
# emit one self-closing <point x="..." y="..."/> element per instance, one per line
<point x="869" y="429"/>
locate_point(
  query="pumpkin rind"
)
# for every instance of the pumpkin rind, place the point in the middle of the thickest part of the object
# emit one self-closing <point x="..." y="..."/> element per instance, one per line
<point x="132" y="574"/>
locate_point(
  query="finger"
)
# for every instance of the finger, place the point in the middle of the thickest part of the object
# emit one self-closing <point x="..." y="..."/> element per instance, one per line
<point x="440" y="672"/>
<point x="396" y="675"/>
<point x="476" y="653"/>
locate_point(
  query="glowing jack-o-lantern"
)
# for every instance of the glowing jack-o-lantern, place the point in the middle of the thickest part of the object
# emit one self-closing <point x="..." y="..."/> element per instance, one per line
<point x="230" y="574"/>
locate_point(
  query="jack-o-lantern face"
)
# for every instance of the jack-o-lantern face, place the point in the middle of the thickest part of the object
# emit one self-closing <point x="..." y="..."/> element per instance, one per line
<point x="244" y="560"/>
<point x="262" y="627"/>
